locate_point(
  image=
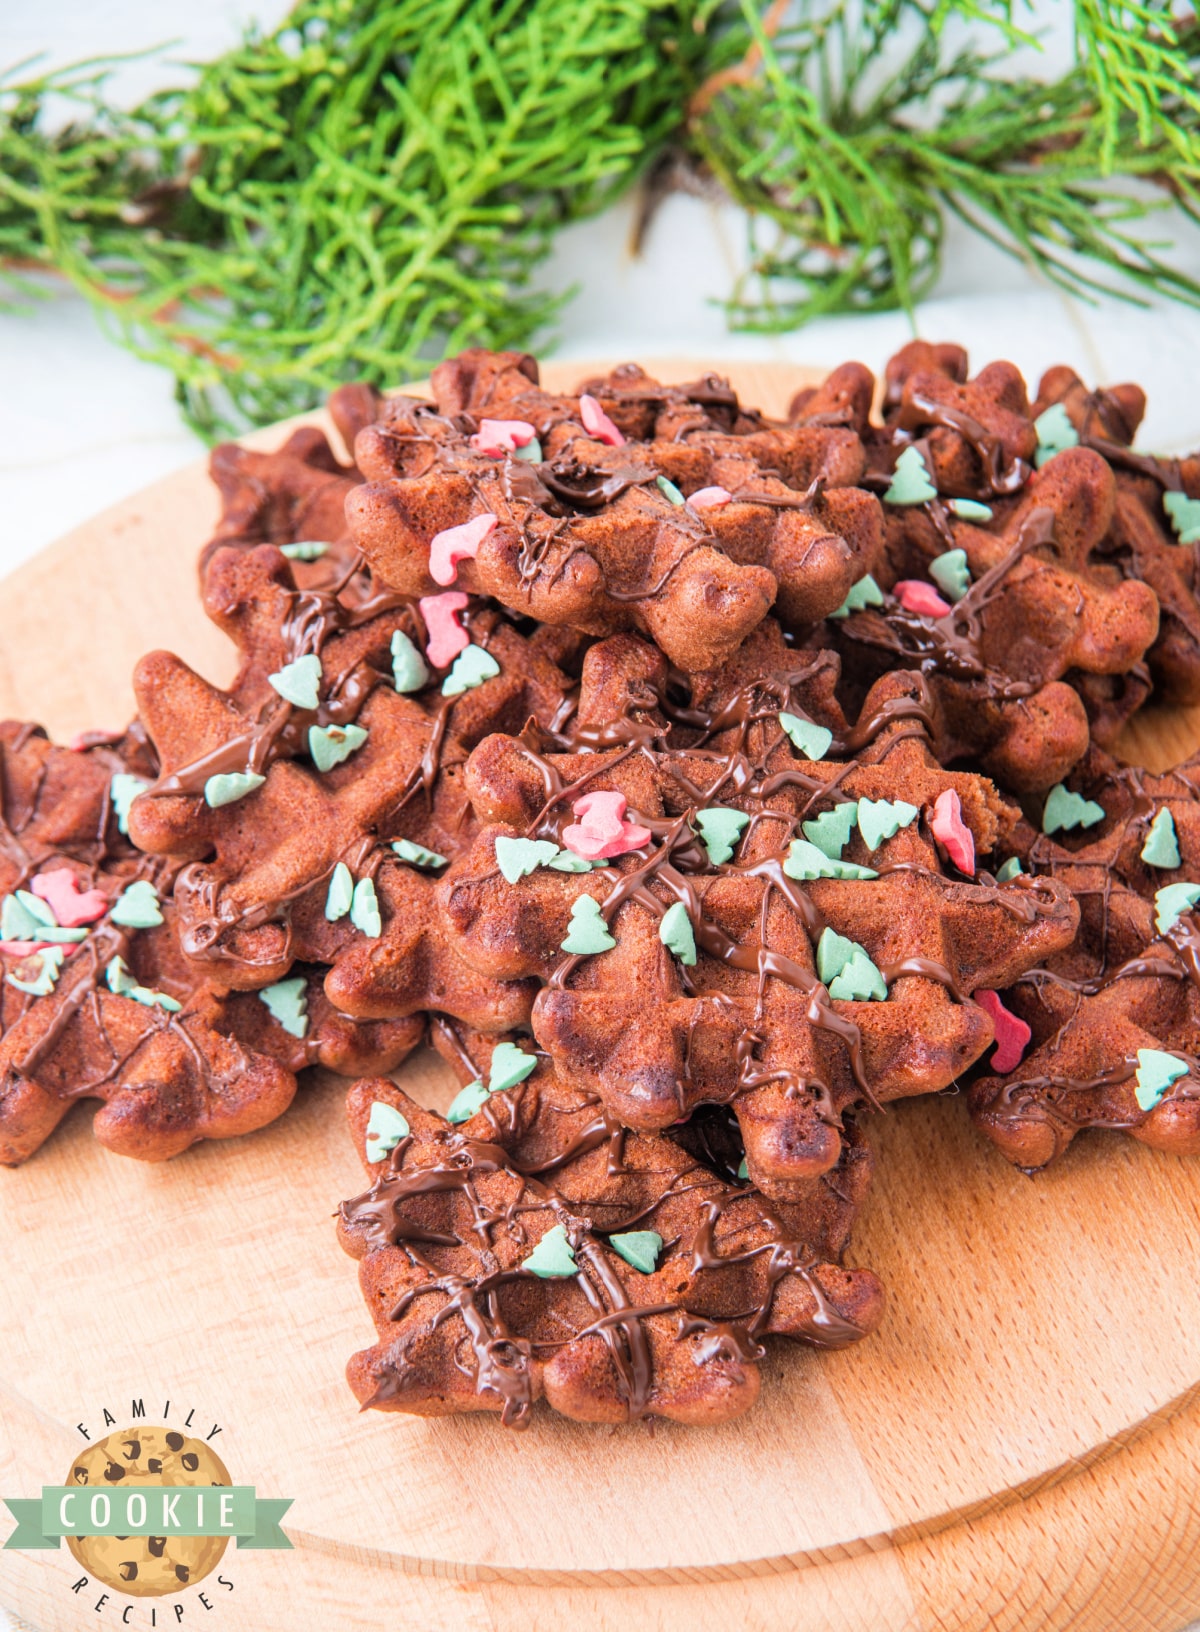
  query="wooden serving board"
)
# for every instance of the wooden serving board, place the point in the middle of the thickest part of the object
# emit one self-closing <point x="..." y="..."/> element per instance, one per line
<point x="1015" y="1448"/>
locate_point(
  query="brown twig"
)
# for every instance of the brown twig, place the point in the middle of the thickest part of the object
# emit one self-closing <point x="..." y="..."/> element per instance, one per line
<point x="740" y="73"/>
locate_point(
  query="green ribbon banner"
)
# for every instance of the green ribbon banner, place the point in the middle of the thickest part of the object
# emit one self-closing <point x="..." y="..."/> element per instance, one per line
<point x="148" y="1510"/>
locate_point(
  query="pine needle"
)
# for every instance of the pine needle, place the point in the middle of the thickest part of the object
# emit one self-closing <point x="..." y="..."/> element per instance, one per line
<point x="1138" y="61"/>
<point x="353" y="196"/>
<point x="850" y="176"/>
<point x="377" y="182"/>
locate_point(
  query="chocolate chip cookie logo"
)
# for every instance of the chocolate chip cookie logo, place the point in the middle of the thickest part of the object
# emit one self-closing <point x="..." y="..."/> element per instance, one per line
<point x="148" y="1512"/>
<point x="142" y="1463"/>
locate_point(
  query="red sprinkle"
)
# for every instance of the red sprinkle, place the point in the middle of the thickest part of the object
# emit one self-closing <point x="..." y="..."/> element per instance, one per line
<point x="916" y="596"/>
<point x="70" y="905"/>
<point x="952" y="833"/>
<point x="26" y="949"/>
<point x="447" y="637"/>
<point x="455" y="544"/>
<point x="597" y="423"/>
<point x="602" y="830"/>
<point x="500" y="436"/>
<point x="1012" y="1035"/>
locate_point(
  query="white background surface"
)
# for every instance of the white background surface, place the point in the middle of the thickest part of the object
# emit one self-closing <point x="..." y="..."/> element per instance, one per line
<point x="82" y="423"/>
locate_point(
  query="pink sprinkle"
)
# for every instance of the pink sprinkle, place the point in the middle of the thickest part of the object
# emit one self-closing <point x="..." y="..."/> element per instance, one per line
<point x="603" y="813"/>
<point x="70" y="905"/>
<point x="447" y="637"/>
<point x="26" y="949"/>
<point x="455" y="544"/>
<point x="1012" y="1035"/>
<point x="602" y="830"/>
<point x="952" y="832"/>
<point x="499" y="436"/>
<point x="597" y="423"/>
<point x="710" y="498"/>
<point x="922" y="598"/>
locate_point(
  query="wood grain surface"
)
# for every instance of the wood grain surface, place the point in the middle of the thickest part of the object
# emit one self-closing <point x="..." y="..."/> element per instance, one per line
<point x="1016" y="1448"/>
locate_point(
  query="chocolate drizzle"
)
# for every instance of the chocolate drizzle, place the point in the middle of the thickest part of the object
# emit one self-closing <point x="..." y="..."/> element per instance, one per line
<point x="1173" y="956"/>
<point x="577" y="485"/>
<point x="1000" y="475"/>
<point x="501" y="1357"/>
<point x="678" y="867"/>
<point x="952" y="645"/>
<point x="1167" y="472"/>
<point x="278" y="728"/>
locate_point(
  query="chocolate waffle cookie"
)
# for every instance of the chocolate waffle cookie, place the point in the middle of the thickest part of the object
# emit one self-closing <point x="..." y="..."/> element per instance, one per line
<point x="999" y="587"/>
<point x="688" y="533"/>
<point x="345" y="729"/>
<point x="745" y="924"/>
<point x="535" y="1250"/>
<point x="1156" y="521"/>
<point x="294" y="497"/>
<point x="95" y="1000"/>
<point x="1112" y="1023"/>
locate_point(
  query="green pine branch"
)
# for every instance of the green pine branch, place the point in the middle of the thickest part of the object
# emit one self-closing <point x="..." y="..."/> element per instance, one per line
<point x="849" y="180"/>
<point x="376" y="182"/>
<point x="353" y="196"/>
<point x="1142" y="68"/>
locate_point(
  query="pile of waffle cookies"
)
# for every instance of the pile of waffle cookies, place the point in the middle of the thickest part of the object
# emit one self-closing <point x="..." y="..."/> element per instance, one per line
<point x="695" y="783"/>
